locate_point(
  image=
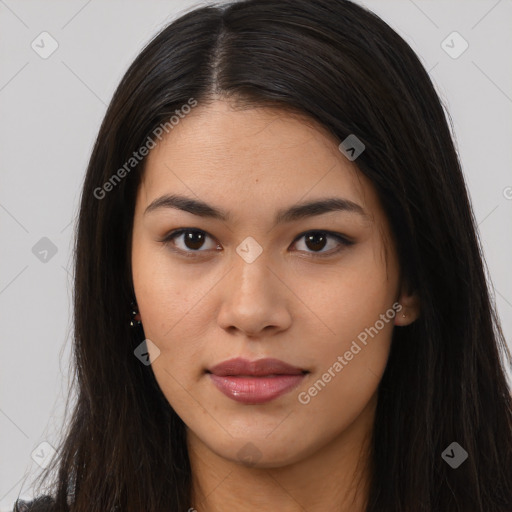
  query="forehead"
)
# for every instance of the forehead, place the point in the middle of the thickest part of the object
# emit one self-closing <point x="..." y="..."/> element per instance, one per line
<point x="257" y="155"/>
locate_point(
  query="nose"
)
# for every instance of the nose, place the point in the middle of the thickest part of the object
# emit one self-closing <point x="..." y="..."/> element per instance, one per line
<point x="255" y="299"/>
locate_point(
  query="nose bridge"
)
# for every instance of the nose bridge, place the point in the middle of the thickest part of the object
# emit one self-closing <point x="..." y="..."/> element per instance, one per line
<point x="251" y="264"/>
<point x="251" y="301"/>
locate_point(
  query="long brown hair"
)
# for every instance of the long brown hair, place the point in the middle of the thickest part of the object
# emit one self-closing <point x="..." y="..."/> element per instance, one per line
<point x="340" y="64"/>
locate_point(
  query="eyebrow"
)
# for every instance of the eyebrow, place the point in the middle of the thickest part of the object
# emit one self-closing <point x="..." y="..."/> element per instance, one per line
<point x="290" y="214"/>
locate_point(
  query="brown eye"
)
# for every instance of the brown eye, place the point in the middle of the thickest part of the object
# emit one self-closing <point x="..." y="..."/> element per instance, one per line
<point x="193" y="240"/>
<point x="316" y="241"/>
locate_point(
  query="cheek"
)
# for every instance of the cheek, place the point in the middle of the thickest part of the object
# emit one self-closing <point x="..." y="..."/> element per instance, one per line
<point x="354" y="304"/>
<point x="177" y="301"/>
<point x="169" y="302"/>
<point x="351" y="297"/>
<point x="167" y="289"/>
<point x="347" y="376"/>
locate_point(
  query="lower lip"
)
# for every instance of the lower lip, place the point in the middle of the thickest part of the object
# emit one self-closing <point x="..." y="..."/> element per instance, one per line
<point x="256" y="390"/>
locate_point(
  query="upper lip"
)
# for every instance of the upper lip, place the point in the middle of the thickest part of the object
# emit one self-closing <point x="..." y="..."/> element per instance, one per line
<point x="259" y="367"/>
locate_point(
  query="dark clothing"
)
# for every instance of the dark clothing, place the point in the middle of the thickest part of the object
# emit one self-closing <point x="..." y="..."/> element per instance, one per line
<point x="41" y="504"/>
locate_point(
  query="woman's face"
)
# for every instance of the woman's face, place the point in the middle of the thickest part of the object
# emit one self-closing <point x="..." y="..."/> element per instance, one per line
<point x="270" y="280"/>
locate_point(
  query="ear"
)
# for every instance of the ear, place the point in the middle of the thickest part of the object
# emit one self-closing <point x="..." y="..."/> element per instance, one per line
<point x="410" y="310"/>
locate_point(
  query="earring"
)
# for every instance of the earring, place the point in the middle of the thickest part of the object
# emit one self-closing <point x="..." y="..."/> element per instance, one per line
<point x="135" y="321"/>
<point x="403" y="315"/>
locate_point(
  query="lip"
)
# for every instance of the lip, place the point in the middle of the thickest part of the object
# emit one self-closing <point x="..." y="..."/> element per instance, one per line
<point x="255" y="382"/>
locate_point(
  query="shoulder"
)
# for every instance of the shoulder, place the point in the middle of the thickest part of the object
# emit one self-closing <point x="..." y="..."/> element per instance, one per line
<point x="41" y="504"/>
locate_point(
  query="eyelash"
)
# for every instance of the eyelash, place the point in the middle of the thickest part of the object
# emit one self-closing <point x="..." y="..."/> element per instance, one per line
<point x="345" y="242"/>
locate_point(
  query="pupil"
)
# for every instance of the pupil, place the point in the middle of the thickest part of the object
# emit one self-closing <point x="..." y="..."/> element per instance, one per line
<point x="314" y="238"/>
<point x="194" y="239"/>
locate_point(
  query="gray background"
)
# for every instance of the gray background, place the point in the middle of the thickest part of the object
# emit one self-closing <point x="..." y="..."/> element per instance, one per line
<point x="51" y="109"/>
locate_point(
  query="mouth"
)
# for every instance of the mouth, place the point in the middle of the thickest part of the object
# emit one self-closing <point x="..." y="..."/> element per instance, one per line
<point x="255" y="382"/>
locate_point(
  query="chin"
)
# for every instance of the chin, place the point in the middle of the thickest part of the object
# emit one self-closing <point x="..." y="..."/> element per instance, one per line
<point x="262" y="454"/>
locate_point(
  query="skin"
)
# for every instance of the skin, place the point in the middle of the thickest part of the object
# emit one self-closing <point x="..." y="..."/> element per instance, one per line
<point x="289" y="303"/>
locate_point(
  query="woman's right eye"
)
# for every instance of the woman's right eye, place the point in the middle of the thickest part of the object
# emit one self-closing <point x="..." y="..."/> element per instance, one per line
<point x="192" y="239"/>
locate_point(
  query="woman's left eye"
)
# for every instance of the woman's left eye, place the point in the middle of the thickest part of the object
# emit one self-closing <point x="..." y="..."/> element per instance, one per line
<point x="318" y="240"/>
<point x="315" y="240"/>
